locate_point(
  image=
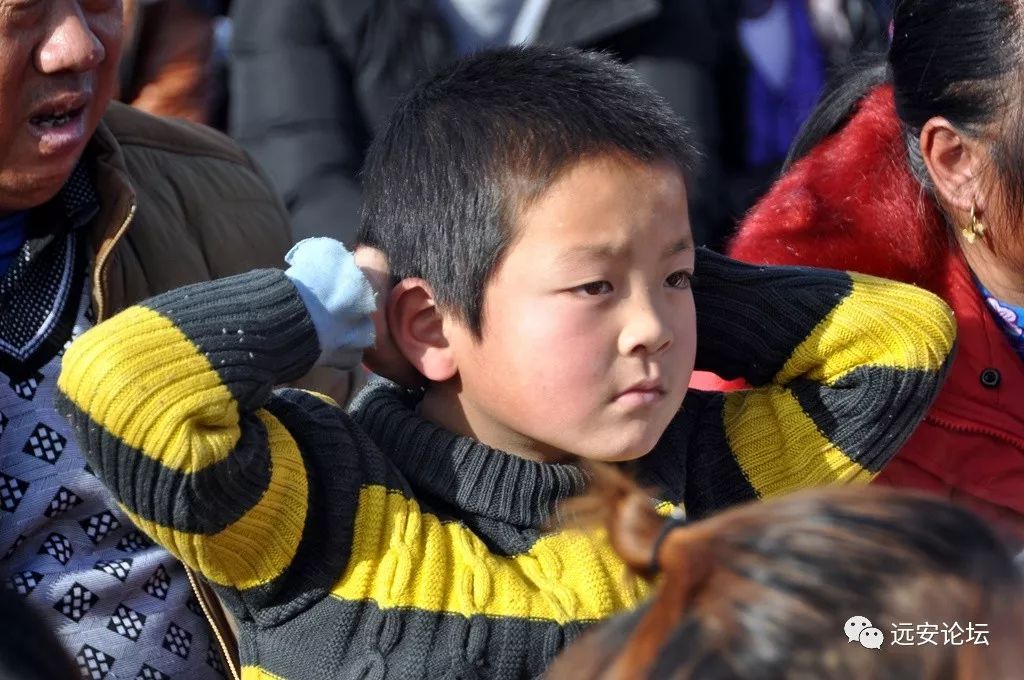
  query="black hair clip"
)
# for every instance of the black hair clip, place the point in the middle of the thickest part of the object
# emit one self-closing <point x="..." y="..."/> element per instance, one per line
<point x="675" y="519"/>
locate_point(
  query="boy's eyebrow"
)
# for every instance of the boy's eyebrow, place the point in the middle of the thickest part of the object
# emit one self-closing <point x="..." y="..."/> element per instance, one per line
<point x="607" y="251"/>
<point x="593" y="251"/>
<point x="683" y="244"/>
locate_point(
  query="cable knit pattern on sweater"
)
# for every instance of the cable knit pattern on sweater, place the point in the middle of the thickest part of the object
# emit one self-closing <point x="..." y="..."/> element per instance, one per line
<point x="376" y="544"/>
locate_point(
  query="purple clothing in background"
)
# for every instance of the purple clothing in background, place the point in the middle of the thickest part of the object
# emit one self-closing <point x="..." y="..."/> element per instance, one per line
<point x="775" y="112"/>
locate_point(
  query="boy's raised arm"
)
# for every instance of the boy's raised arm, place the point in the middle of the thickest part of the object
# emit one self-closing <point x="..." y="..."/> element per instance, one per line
<point x="172" y="401"/>
<point x="842" y="368"/>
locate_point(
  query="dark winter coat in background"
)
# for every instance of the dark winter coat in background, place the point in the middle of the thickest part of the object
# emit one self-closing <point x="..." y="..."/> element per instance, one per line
<point x="313" y="79"/>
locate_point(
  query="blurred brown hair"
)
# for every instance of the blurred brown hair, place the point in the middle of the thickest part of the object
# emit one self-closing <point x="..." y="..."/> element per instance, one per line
<point x="764" y="590"/>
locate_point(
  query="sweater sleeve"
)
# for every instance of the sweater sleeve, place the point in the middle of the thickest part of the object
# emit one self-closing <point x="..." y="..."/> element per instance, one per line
<point x="842" y="367"/>
<point x="173" y="403"/>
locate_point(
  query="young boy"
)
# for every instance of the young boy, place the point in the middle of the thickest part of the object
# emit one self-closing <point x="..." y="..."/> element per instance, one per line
<point x="531" y="205"/>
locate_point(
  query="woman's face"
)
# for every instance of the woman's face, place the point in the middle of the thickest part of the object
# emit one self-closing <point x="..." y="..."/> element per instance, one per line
<point x="992" y="240"/>
<point x="1003" y="213"/>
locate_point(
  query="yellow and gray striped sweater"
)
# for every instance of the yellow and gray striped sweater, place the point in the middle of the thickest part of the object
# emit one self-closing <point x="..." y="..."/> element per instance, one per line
<point x="374" y="543"/>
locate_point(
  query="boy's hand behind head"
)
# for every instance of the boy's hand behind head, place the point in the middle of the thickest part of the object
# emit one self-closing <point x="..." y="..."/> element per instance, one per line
<point x="384" y="358"/>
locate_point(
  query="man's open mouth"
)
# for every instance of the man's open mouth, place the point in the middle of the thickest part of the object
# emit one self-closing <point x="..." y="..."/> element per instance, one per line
<point x="52" y="120"/>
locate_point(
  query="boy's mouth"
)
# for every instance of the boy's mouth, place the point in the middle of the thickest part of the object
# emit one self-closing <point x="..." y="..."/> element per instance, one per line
<point x="643" y="393"/>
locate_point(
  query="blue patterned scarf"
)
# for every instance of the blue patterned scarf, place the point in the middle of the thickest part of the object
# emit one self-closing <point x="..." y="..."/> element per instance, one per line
<point x="1009" y="317"/>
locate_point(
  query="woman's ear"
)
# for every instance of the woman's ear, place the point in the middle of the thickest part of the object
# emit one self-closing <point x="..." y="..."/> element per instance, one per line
<point x="954" y="163"/>
<point x="417" y="327"/>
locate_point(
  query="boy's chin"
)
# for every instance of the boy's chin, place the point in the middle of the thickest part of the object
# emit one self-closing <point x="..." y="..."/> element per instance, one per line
<point x="621" y="454"/>
<point x="623" y="444"/>
<point x="613" y="457"/>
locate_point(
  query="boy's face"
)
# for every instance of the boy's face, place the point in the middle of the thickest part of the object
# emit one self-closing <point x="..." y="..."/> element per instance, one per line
<point x="589" y="323"/>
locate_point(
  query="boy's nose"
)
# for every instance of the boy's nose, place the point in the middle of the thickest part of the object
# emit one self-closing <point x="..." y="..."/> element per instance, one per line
<point x="646" y="330"/>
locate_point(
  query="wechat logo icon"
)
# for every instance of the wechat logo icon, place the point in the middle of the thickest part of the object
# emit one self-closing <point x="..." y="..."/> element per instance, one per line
<point x="859" y="629"/>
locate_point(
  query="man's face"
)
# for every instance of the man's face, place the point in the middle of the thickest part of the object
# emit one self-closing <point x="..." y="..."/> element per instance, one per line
<point x="589" y="322"/>
<point x="58" y="72"/>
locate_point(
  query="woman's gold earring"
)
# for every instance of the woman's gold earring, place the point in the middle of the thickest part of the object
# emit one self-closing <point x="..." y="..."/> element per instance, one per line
<point x="976" y="229"/>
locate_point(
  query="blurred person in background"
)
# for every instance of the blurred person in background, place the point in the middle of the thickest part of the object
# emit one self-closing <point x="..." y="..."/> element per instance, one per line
<point x="912" y="168"/>
<point x="313" y="80"/>
<point x="167" y="66"/>
<point x="812" y="585"/>
<point x="100" y="206"/>
<point x="789" y="46"/>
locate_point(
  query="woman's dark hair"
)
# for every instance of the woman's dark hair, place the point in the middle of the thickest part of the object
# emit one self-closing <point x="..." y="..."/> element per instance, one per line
<point x="959" y="59"/>
<point x="766" y="590"/>
<point x="844" y="90"/>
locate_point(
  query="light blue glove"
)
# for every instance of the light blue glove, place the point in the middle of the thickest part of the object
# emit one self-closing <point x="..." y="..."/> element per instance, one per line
<point x="338" y="297"/>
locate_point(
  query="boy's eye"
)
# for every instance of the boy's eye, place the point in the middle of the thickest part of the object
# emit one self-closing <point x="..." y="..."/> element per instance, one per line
<point x="595" y="288"/>
<point x="680" y="279"/>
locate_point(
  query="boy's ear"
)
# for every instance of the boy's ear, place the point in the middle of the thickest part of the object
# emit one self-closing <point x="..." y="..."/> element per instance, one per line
<point x="417" y="327"/>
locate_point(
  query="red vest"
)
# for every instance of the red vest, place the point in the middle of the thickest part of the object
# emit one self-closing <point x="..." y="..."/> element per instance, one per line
<point x="970" y="446"/>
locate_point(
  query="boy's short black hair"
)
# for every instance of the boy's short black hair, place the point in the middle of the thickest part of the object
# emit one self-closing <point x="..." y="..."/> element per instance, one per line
<point x="477" y="142"/>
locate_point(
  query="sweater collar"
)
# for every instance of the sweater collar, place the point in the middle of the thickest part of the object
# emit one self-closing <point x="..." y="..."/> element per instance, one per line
<point x="459" y="470"/>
